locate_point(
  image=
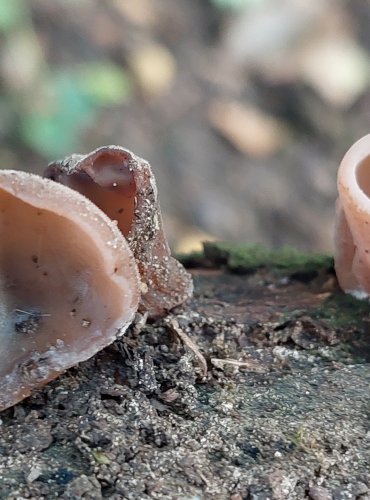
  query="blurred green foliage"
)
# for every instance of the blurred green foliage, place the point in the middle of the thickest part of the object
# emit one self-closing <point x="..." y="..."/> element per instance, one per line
<point x="75" y="97"/>
<point x="236" y="4"/>
<point x="51" y="107"/>
<point x="12" y="13"/>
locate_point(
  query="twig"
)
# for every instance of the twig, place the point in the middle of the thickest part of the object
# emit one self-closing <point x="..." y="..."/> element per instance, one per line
<point x="31" y="313"/>
<point x="252" y="365"/>
<point x="201" y="475"/>
<point x="175" y="327"/>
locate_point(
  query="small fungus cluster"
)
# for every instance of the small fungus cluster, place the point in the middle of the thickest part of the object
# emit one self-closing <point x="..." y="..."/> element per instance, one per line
<point x="352" y="231"/>
<point x="82" y="250"/>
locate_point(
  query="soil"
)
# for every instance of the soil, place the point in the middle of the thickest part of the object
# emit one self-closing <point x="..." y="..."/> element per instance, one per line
<point x="282" y="412"/>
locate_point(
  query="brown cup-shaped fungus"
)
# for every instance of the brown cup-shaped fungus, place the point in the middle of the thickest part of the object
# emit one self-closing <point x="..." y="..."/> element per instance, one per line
<point x="124" y="187"/>
<point x="352" y="231"/>
<point x="69" y="283"/>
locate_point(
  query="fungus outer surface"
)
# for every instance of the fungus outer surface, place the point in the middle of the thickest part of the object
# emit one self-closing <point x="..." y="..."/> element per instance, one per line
<point x="124" y="187"/>
<point x="352" y="231"/>
<point x="68" y="282"/>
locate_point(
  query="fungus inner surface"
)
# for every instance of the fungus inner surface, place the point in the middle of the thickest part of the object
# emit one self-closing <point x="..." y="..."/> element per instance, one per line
<point x="55" y="287"/>
<point x="107" y="173"/>
<point x="123" y="187"/>
<point x="363" y="175"/>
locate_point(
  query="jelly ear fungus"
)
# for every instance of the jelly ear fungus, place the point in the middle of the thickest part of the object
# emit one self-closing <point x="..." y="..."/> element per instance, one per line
<point x="68" y="282"/>
<point x="352" y="231"/>
<point x="124" y="187"/>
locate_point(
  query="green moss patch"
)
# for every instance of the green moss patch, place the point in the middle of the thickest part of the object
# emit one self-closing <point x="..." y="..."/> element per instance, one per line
<point x="343" y="311"/>
<point x="246" y="258"/>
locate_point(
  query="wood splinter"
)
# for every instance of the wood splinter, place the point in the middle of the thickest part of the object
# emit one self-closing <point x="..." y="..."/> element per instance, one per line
<point x="174" y="326"/>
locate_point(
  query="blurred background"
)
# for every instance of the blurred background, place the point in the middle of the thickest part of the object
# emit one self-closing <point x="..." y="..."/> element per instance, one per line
<point x="244" y="108"/>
